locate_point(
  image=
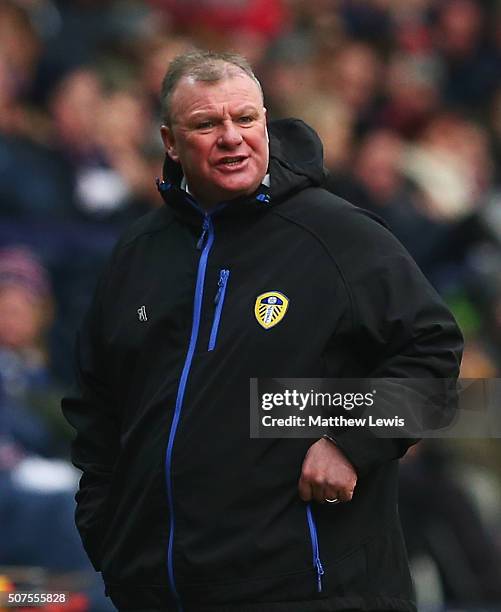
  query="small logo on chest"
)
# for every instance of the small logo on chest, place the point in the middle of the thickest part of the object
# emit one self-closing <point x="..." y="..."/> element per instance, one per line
<point x="270" y="308"/>
<point x="141" y="313"/>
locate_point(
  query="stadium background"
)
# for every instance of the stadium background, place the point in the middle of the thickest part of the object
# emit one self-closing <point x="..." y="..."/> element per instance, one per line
<point x="406" y="97"/>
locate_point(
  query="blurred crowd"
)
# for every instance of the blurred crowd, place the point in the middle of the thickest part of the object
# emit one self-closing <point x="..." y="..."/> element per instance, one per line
<point x="406" y="97"/>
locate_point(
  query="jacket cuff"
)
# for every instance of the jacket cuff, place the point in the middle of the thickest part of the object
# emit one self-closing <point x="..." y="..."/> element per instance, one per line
<point x="367" y="452"/>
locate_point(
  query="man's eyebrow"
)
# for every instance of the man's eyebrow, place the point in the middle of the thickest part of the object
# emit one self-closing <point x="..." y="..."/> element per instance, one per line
<point x="204" y="113"/>
<point x="246" y="109"/>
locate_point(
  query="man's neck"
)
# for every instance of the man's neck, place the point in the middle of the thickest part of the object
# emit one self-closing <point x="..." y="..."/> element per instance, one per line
<point x="208" y="207"/>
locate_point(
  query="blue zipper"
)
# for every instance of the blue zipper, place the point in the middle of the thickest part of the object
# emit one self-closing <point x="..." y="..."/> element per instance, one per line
<point x="208" y="231"/>
<point x="205" y="229"/>
<point x="219" y="301"/>
<point x="317" y="564"/>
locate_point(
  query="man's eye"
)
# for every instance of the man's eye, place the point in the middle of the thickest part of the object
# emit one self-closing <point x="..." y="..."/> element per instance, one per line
<point x="205" y="125"/>
<point x="246" y="119"/>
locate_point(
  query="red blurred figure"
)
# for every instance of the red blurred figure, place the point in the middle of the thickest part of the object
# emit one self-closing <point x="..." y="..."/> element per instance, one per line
<point x="265" y="17"/>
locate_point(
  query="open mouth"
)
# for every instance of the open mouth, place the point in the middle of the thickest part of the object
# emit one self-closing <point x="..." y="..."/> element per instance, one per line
<point x="231" y="162"/>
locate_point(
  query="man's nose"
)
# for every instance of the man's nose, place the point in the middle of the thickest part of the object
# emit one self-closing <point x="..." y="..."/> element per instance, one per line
<point x="230" y="135"/>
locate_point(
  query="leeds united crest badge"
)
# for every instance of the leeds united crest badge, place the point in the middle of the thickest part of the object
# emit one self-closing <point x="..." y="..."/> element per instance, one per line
<point x="270" y="308"/>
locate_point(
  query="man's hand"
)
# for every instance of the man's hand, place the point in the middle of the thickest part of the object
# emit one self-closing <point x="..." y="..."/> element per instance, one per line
<point x="326" y="474"/>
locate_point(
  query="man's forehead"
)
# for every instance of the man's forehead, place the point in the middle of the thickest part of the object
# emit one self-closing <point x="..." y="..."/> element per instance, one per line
<point x="192" y="96"/>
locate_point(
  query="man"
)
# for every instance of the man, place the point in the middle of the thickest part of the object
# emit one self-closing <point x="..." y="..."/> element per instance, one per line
<point x="177" y="506"/>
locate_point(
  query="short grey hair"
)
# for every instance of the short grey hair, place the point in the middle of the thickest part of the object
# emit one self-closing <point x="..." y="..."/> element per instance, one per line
<point x="205" y="66"/>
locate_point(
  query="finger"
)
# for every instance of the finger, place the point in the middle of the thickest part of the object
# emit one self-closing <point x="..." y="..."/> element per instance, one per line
<point x="319" y="492"/>
<point x="332" y="500"/>
<point x="305" y="492"/>
<point x="331" y="496"/>
<point x="345" y="495"/>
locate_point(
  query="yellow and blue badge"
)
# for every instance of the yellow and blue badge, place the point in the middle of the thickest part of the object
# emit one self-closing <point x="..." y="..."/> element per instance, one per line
<point x="270" y="308"/>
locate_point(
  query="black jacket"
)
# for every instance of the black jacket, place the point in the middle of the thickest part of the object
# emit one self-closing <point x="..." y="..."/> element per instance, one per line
<point x="177" y="506"/>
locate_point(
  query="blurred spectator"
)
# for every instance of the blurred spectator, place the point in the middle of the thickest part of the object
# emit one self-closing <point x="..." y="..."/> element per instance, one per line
<point x="460" y="26"/>
<point x="19" y="44"/>
<point x="264" y="17"/>
<point x="472" y="62"/>
<point x="13" y="118"/>
<point x="368" y="20"/>
<point x="378" y="166"/>
<point x="452" y="166"/>
<point x="333" y="122"/>
<point x="154" y="54"/>
<point x="74" y="104"/>
<point x="84" y="30"/>
<point x="412" y="92"/>
<point x="36" y="494"/>
<point x="28" y="398"/>
<point x="24" y="302"/>
<point x="100" y="138"/>
<point x="477" y="363"/>
<point x="23" y="127"/>
<point x="354" y="78"/>
<point x="411" y="27"/>
<point x="125" y="132"/>
<point x="446" y="534"/>
<point x="286" y="77"/>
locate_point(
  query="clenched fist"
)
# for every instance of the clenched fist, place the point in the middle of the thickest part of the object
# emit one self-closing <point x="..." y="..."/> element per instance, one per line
<point x="326" y="474"/>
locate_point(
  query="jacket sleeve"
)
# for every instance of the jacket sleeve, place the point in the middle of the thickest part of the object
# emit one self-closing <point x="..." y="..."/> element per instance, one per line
<point x="96" y="445"/>
<point x="402" y="329"/>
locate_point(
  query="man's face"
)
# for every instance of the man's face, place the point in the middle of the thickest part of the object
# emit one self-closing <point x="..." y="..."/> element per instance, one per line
<point x="218" y="134"/>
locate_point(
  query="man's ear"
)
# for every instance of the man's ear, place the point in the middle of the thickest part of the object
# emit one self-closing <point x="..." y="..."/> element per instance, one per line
<point x="169" y="142"/>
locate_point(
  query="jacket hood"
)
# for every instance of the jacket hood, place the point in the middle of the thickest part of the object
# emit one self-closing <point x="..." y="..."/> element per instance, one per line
<point x="296" y="158"/>
<point x="296" y="162"/>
